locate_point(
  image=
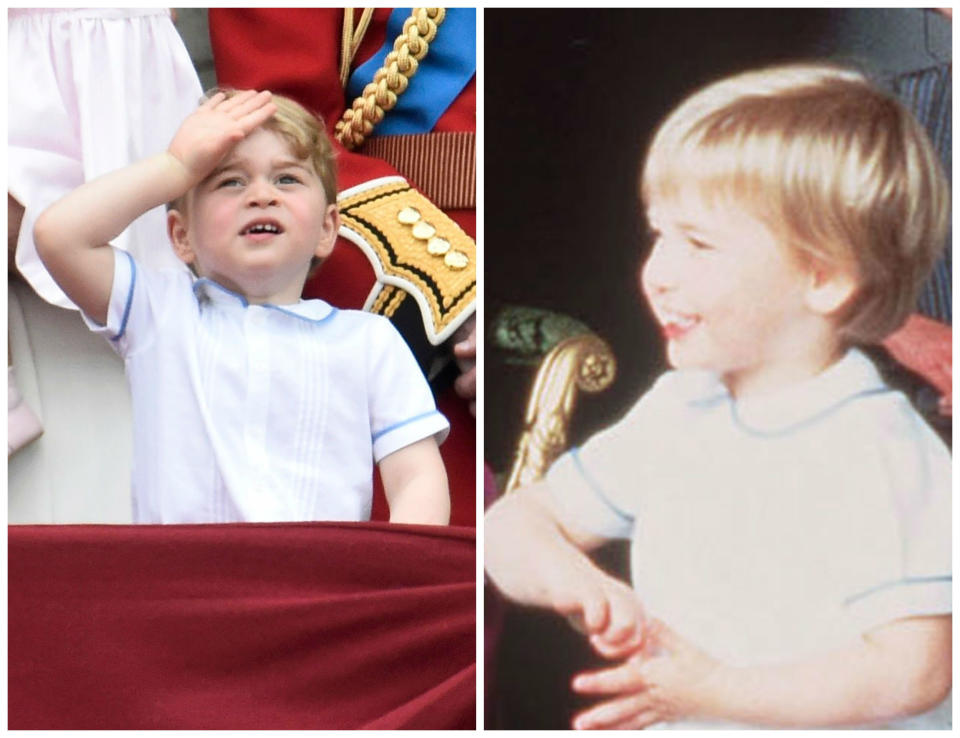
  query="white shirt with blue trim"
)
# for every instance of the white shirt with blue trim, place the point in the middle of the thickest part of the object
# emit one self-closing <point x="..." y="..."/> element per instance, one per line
<point x="256" y="413"/>
<point x="775" y="528"/>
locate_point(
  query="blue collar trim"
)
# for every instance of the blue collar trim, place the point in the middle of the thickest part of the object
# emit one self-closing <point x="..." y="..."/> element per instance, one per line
<point x="207" y="290"/>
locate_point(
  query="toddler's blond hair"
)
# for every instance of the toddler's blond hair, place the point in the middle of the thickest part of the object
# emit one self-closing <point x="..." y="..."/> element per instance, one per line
<point x="304" y="133"/>
<point x="840" y="170"/>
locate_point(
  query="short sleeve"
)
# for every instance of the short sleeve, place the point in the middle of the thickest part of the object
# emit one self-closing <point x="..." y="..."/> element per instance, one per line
<point x="121" y="299"/>
<point x="920" y="582"/>
<point x="402" y="408"/>
<point x="598" y="487"/>
<point x="138" y="298"/>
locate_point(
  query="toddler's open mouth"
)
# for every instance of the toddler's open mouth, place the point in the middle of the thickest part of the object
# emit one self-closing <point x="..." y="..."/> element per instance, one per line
<point x="262" y="228"/>
<point x="675" y="325"/>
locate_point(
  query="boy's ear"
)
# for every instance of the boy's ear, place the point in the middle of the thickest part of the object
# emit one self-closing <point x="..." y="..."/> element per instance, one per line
<point x="331" y="226"/>
<point x="831" y="288"/>
<point x="179" y="236"/>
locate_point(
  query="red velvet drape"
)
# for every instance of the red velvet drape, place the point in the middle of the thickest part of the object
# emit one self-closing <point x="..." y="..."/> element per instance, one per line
<point x="250" y="626"/>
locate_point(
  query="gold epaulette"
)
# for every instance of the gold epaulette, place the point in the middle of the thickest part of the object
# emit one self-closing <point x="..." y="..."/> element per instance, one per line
<point x="413" y="246"/>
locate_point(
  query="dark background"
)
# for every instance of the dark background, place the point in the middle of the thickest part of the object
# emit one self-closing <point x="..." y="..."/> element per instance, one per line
<point x="571" y="98"/>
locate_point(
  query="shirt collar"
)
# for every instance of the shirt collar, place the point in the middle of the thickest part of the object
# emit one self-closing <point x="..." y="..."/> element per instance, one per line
<point x="784" y="410"/>
<point x="209" y="292"/>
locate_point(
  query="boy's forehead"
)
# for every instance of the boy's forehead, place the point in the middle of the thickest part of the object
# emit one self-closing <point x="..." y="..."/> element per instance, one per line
<point x="691" y="210"/>
<point x="685" y="206"/>
<point x="265" y="144"/>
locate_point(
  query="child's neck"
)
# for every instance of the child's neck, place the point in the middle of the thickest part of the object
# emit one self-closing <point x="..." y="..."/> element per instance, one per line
<point x="256" y="294"/>
<point x="786" y="372"/>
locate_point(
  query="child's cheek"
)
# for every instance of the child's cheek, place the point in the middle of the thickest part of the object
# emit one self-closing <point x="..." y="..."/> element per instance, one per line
<point x="642" y="287"/>
<point x="224" y="214"/>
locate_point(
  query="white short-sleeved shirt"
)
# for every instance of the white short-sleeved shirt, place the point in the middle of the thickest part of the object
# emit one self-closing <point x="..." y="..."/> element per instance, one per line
<point x="258" y="412"/>
<point x="775" y="529"/>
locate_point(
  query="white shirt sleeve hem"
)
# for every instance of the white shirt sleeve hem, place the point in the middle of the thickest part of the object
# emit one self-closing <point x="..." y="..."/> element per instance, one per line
<point x="121" y="297"/>
<point x="907" y="598"/>
<point x="388" y="440"/>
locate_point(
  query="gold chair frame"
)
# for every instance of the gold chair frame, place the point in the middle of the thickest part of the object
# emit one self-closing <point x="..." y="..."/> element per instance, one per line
<point x="585" y="362"/>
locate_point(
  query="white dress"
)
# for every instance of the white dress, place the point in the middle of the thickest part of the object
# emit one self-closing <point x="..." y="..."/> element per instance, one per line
<point x="90" y="91"/>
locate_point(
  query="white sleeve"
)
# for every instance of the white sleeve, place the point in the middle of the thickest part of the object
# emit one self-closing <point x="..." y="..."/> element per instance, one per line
<point x="598" y="486"/>
<point x="139" y="299"/>
<point x="920" y="582"/>
<point x="402" y="408"/>
<point x="121" y="301"/>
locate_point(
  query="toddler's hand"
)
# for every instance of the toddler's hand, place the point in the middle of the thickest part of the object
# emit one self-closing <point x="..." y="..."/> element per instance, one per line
<point x="208" y="133"/>
<point x="649" y="687"/>
<point x="609" y="613"/>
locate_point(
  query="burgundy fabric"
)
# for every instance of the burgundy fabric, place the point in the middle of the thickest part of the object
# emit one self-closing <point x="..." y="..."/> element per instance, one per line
<point x="250" y="626"/>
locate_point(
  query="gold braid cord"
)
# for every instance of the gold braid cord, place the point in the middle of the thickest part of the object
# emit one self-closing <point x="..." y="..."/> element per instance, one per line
<point x="585" y="362"/>
<point x="391" y="79"/>
<point x="351" y="40"/>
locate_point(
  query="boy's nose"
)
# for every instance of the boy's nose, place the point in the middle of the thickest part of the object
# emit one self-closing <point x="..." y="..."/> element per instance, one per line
<point x="261" y="194"/>
<point x="658" y="273"/>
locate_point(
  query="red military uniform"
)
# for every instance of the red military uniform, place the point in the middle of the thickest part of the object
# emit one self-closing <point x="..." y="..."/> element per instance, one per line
<point x="296" y="52"/>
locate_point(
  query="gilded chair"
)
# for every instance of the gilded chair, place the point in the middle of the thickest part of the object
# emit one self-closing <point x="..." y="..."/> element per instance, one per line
<point x="572" y="359"/>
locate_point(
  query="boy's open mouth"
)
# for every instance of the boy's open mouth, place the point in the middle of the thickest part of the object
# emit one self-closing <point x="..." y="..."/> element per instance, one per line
<point x="262" y="227"/>
<point x="675" y="325"/>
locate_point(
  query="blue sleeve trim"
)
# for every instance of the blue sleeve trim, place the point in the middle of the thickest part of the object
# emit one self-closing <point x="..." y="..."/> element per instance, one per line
<point x="403" y="423"/>
<point x="620" y="512"/>
<point x="898" y="583"/>
<point x="126" y="308"/>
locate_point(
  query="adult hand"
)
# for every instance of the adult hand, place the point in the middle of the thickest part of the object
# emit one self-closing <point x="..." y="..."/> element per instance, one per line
<point x="926" y="347"/>
<point x="668" y="680"/>
<point x="465" y="351"/>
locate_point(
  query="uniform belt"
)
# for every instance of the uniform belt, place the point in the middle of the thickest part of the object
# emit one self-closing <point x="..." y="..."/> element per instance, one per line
<point x="443" y="166"/>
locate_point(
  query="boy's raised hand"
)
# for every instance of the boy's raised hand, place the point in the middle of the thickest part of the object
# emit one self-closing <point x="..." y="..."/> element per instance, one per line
<point x="206" y="136"/>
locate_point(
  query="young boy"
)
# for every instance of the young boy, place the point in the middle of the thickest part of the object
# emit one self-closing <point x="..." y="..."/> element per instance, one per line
<point x="789" y="515"/>
<point x="249" y="404"/>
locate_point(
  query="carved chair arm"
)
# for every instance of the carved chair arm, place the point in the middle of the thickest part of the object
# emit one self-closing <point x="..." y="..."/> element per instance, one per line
<point x="583" y="362"/>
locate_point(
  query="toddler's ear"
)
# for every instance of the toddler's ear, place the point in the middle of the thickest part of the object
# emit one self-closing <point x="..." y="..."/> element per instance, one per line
<point x="179" y="236"/>
<point x="831" y="288"/>
<point x="331" y="226"/>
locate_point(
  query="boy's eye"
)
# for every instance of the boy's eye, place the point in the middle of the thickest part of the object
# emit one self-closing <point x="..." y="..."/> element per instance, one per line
<point x="288" y="179"/>
<point x="230" y="182"/>
<point x="699" y="245"/>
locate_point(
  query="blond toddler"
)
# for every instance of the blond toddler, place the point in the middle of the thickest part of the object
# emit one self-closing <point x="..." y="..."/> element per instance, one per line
<point x="788" y="513"/>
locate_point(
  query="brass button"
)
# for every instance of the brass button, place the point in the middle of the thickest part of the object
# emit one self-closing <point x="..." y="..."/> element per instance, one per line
<point x="408" y="216"/>
<point x="438" y="246"/>
<point x="423" y="230"/>
<point x="456" y="260"/>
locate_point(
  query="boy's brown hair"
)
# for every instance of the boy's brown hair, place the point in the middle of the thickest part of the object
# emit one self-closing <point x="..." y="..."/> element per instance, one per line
<point x="840" y="170"/>
<point x="304" y="132"/>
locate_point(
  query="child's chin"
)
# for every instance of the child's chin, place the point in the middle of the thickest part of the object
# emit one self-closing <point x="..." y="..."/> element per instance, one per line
<point x="681" y="358"/>
<point x="677" y="358"/>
